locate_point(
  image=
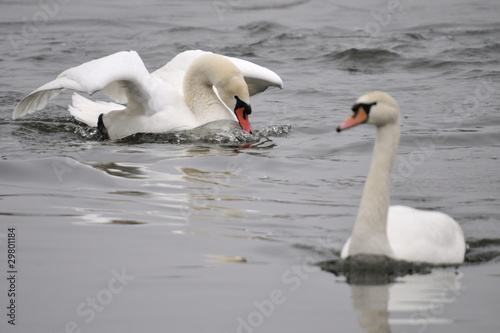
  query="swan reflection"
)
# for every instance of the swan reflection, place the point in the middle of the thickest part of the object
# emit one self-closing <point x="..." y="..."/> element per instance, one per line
<point x="412" y="303"/>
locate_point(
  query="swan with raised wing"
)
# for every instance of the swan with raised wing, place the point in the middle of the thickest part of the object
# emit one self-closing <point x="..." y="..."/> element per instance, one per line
<point x="193" y="89"/>
<point x="397" y="232"/>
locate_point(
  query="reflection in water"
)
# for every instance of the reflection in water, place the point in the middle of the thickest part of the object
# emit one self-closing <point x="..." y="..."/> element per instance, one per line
<point x="184" y="192"/>
<point x="386" y="292"/>
<point x="206" y="191"/>
<point x="219" y="178"/>
<point x="209" y="150"/>
<point x="224" y="259"/>
<point x="166" y="187"/>
<point x="219" y="234"/>
<point x="121" y="170"/>
<point x="415" y="301"/>
<point x="164" y="184"/>
<point x="371" y="302"/>
<point x="91" y="218"/>
<point x="113" y="219"/>
<point x="129" y="171"/>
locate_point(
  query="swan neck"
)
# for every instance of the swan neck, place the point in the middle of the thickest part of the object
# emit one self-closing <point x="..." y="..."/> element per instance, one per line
<point x="370" y="230"/>
<point x="200" y="96"/>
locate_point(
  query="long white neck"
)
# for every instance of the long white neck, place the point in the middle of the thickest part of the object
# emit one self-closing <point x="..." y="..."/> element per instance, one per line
<point x="206" y="72"/>
<point x="200" y="97"/>
<point x="369" y="235"/>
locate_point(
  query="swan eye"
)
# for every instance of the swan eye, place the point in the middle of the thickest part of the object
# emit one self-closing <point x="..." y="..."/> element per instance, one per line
<point x="365" y="107"/>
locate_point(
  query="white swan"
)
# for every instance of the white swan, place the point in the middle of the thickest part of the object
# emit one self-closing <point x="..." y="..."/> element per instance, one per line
<point x="193" y="89"/>
<point x="398" y="232"/>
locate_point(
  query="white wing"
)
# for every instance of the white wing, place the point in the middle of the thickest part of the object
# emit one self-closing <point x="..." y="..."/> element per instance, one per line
<point x="424" y="236"/>
<point x="175" y="70"/>
<point x="258" y="78"/>
<point x="121" y="75"/>
<point x="154" y="102"/>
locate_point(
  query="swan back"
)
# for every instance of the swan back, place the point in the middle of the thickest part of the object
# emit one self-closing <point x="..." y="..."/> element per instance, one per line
<point x="425" y="236"/>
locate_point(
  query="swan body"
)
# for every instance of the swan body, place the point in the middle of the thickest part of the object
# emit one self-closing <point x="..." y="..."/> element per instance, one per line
<point x="194" y="88"/>
<point x="398" y="232"/>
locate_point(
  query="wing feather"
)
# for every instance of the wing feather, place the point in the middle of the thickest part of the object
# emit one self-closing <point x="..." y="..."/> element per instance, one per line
<point x="258" y="78"/>
<point x="108" y="73"/>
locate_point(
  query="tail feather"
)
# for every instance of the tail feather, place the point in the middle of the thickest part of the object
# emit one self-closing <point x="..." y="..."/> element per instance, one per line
<point x="88" y="111"/>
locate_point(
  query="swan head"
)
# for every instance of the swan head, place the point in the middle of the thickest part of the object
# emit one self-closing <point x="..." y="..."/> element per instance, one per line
<point x="233" y="91"/>
<point x="374" y="108"/>
<point x="213" y="72"/>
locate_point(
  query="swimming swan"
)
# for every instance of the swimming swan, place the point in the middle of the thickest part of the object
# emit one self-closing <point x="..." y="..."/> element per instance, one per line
<point x="398" y="232"/>
<point x="193" y="89"/>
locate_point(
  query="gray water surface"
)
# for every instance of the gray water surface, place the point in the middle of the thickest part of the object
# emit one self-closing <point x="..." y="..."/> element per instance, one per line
<point x="222" y="233"/>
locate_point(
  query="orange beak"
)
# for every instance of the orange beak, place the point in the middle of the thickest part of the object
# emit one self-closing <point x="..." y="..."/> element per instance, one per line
<point x="242" y="110"/>
<point x="359" y="116"/>
<point x="243" y="120"/>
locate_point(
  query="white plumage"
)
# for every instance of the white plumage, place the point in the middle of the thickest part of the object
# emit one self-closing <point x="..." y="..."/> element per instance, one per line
<point x="398" y="232"/>
<point x="156" y="102"/>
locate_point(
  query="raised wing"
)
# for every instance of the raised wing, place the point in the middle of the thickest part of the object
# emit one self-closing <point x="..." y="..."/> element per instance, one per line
<point x="122" y="76"/>
<point x="258" y="78"/>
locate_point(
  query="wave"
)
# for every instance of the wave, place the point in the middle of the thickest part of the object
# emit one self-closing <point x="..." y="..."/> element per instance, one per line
<point x="480" y="54"/>
<point x="369" y="269"/>
<point x="482" y="250"/>
<point x="373" y="270"/>
<point x="363" y="55"/>
<point x="261" y="27"/>
<point x="54" y="121"/>
<point x="367" y="61"/>
<point x="448" y="59"/>
<point x="270" y="6"/>
<point x="218" y="132"/>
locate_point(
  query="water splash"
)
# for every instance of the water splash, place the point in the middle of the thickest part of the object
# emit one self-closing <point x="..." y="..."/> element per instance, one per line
<point x="226" y="134"/>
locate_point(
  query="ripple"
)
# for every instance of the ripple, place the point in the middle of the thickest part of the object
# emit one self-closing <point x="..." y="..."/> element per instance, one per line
<point x="365" y="61"/>
<point x="480" y="54"/>
<point x="482" y="250"/>
<point x="373" y="270"/>
<point x="260" y="27"/>
<point x="363" y="55"/>
<point x="209" y="135"/>
<point x="269" y="6"/>
<point x="217" y="132"/>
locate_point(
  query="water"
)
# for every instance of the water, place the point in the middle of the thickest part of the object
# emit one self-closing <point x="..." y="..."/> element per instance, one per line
<point x="222" y="232"/>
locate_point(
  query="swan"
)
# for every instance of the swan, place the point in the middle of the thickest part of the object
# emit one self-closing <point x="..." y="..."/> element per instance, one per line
<point x="194" y="88"/>
<point x="398" y="232"/>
